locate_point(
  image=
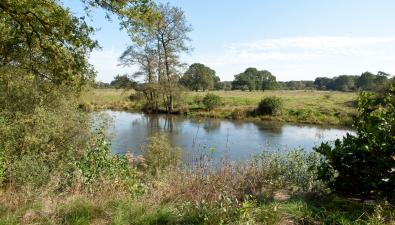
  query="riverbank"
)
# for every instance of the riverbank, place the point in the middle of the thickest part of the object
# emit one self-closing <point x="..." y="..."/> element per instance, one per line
<point x="272" y="190"/>
<point x="309" y="107"/>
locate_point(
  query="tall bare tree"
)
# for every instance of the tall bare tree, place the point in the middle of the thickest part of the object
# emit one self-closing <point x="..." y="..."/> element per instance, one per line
<point x="158" y="42"/>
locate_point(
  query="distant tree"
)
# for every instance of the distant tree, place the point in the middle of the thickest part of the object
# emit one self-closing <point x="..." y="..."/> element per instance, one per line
<point x="323" y="83"/>
<point x="199" y="77"/>
<point x="253" y="79"/>
<point x="123" y="81"/>
<point x="266" y="80"/>
<point x="246" y="80"/>
<point x="217" y="83"/>
<point x="225" y="85"/>
<point x="100" y="84"/>
<point x="344" y="83"/>
<point x="366" y="81"/>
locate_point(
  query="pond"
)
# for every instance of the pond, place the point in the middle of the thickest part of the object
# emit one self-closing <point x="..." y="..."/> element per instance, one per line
<point x="237" y="139"/>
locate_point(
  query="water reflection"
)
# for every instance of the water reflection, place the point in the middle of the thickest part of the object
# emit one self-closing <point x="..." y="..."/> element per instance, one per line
<point x="239" y="139"/>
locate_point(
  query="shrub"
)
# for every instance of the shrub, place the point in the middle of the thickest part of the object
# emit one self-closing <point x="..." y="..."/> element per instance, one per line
<point x="160" y="155"/>
<point x="238" y="114"/>
<point x="270" y="106"/>
<point x="294" y="170"/>
<point x="212" y="101"/>
<point x="364" y="164"/>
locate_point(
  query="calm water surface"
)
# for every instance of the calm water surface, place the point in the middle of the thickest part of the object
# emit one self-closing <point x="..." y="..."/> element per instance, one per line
<point x="238" y="139"/>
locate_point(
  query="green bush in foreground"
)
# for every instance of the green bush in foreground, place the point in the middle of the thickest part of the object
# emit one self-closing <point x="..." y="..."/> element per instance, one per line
<point x="212" y="101"/>
<point x="364" y="164"/>
<point x="160" y="155"/>
<point x="270" y="106"/>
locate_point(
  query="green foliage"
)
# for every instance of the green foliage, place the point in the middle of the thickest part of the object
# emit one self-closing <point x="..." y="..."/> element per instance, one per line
<point x="158" y="40"/>
<point x="160" y="155"/>
<point x="40" y="123"/>
<point x="366" y="81"/>
<point x="294" y="170"/>
<point x="270" y="106"/>
<point x="253" y="79"/>
<point x="211" y="101"/>
<point x="199" y="77"/>
<point x="123" y="81"/>
<point x="364" y="164"/>
<point x="99" y="163"/>
<point x="46" y="41"/>
<point x="295" y="85"/>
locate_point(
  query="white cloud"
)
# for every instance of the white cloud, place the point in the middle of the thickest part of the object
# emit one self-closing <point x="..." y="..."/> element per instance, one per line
<point x="106" y="64"/>
<point x="305" y="57"/>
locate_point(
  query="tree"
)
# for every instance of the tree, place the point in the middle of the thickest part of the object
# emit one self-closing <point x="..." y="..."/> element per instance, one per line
<point x="225" y="85"/>
<point x="323" y="83"/>
<point x="265" y="80"/>
<point x="158" y="40"/>
<point x="123" y="81"/>
<point x="44" y="39"/>
<point x="366" y="81"/>
<point x="254" y="79"/>
<point x="43" y="66"/>
<point x="344" y="83"/>
<point x="199" y="77"/>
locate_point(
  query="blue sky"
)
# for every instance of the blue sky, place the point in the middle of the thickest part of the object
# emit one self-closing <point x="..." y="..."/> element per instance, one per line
<point x="295" y="40"/>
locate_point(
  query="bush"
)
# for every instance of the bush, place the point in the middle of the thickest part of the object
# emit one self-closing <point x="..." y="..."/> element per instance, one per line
<point x="293" y="170"/>
<point x="160" y="155"/>
<point x="238" y="114"/>
<point x="270" y="106"/>
<point x="212" y="101"/>
<point x="364" y="164"/>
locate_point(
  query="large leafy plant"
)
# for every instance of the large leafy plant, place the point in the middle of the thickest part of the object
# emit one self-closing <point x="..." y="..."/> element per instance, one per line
<point x="364" y="164"/>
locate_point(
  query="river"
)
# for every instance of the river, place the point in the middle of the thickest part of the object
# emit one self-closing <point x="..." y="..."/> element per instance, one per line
<point x="237" y="139"/>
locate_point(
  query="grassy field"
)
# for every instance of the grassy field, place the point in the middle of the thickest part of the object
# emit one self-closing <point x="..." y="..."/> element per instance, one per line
<point x="315" y="107"/>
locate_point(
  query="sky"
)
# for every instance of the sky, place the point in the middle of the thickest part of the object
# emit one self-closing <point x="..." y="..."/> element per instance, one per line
<point x="295" y="40"/>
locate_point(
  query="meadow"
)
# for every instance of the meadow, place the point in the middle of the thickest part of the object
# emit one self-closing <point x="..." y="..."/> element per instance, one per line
<point x="314" y="107"/>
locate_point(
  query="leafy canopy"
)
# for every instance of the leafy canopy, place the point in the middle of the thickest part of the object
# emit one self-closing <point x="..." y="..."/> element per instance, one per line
<point x="364" y="164"/>
<point x="199" y="77"/>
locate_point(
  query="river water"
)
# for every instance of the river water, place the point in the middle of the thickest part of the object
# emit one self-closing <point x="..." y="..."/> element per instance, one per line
<point x="237" y="139"/>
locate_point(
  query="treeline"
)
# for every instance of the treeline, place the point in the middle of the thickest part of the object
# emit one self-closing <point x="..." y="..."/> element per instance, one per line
<point x="201" y="78"/>
<point x="120" y="81"/>
<point x="366" y="81"/>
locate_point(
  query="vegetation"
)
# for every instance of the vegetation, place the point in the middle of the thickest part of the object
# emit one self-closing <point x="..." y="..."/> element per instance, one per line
<point x="157" y="43"/>
<point x="200" y="77"/>
<point x="270" y="106"/>
<point x="316" y="107"/>
<point x="211" y="101"/>
<point x="365" y="164"/>
<point x="160" y="155"/>
<point x="123" y="81"/>
<point x="252" y="79"/>
<point x="56" y="165"/>
<point x="366" y="82"/>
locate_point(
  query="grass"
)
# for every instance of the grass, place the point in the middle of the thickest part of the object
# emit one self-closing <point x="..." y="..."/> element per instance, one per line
<point x="314" y="107"/>
<point x="118" y="210"/>
<point x="115" y="99"/>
